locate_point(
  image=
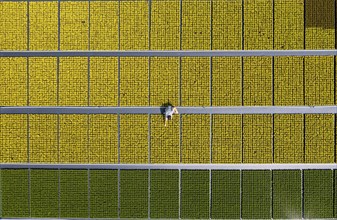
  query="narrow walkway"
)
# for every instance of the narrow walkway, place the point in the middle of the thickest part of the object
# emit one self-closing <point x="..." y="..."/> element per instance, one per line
<point x="169" y="53"/>
<point x="288" y="166"/>
<point x="182" y="110"/>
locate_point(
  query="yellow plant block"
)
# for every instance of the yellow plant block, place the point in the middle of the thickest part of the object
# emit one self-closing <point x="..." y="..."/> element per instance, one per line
<point x="73" y="77"/>
<point x="288" y="81"/>
<point x="320" y="24"/>
<point x="74" y="25"/>
<point x="134" y="81"/>
<point x="195" y="81"/>
<point x="319" y="80"/>
<point x="257" y="84"/>
<point x="165" y="141"/>
<point x="288" y="138"/>
<point x="13" y="23"/>
<point x="257" y="139"/>
<point x="134" y="143"/>
<point x="74" y="139"/>
<point x="134" y="25"/>
<point x="13" y="139"/>
<point x="43" y="25"/>
<point x="103" y="139"/>
<point x="103" y="81"/>
<point x="319" y="138"/>
<point x="165" y="77"/>
<point x="195" y="139"/>
<point x="43" y="146"/>
<point x="258" y="24"/>
<point x="227" y="25"/>
<point x="42" y="81"/>
<point x="196" y="25"/>
<point x="226" y="81"/>
<point x="288" y="24"/>
<point x="227" y="139"/>
<point x="104" y="25"/>
<point x="165" y="24"/>
<point x="13" y="81"/>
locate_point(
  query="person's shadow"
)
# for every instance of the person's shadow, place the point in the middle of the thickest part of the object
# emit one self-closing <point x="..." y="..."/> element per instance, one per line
<point x="163" y="107"/>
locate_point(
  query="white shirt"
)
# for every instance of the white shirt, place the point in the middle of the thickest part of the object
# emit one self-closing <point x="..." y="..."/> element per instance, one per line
<point x="169" y="111"/>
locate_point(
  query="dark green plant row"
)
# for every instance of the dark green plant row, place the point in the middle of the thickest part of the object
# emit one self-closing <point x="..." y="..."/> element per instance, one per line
<point x="258" y="194"/>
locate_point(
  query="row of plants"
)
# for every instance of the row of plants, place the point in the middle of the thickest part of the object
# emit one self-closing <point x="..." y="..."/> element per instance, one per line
<point x="254" y="194"/>
<point x="13" y="22"/>
<point x="43" y="26"/>
<point x="235" y="139"/>
<point x="74" y="25"/>
<point x="265" y="26"/>
<point x="262" y="85"/>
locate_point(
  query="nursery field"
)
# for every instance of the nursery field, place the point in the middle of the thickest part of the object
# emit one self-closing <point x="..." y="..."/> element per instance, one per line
<point x="186" y="25"/>
<point x="167" y="24"/>
<point x="278" y="138"/>
<point x="157" y="194"/>
<point x="189" y="81"/>
<point x="142" y="25"/>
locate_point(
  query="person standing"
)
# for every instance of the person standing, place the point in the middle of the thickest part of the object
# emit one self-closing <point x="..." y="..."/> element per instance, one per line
<point x="169" y="112"/>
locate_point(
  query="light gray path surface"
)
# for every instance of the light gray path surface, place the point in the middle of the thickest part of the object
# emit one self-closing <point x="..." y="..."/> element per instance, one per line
<point x="169" y="53"/>
<point x="182" y="110"/>
<point x="289" y="166"/>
